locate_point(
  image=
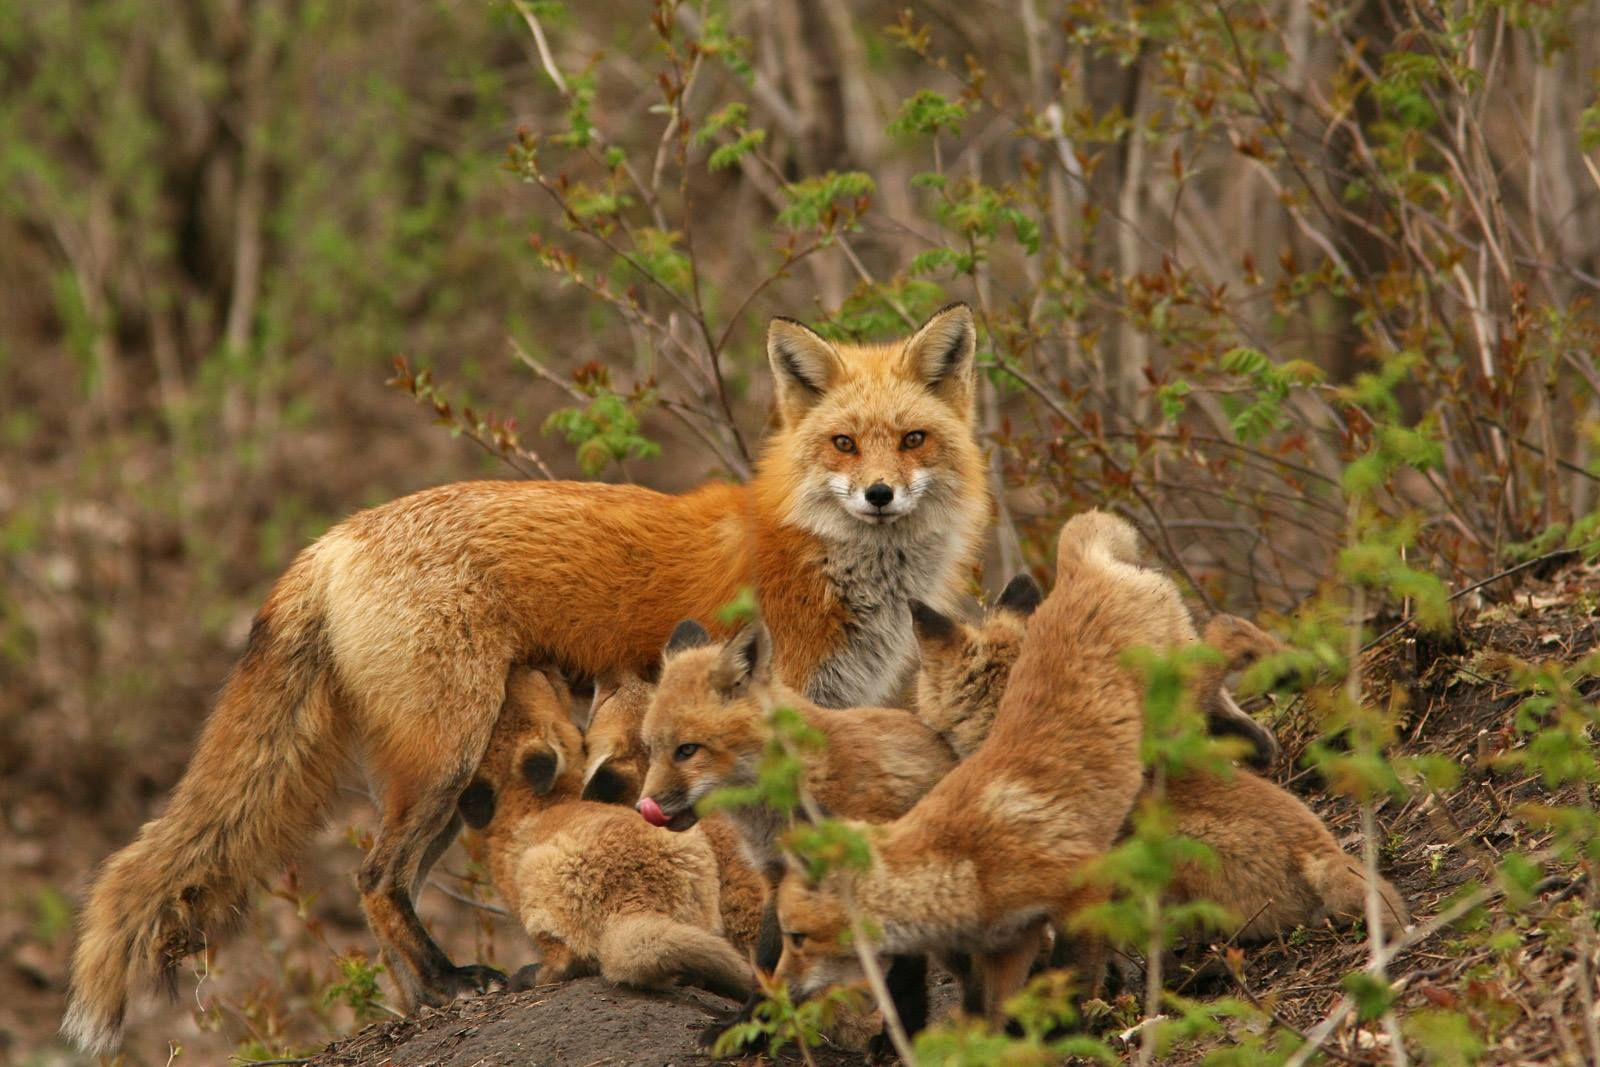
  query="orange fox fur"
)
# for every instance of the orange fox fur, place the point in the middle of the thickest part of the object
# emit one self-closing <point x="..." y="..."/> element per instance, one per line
<point x="1276" y="865"/>
<point x="963" y="669"/>
<point x="707" y="728"/>
<point x="598" y="890"/>
<point x="615" y="775"/>
<point x="990" y="856"/>
<point x="390" y="639"/>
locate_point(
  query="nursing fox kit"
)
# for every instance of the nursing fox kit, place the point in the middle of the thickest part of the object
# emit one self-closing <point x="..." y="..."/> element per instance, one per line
<point x="392" y="637"/>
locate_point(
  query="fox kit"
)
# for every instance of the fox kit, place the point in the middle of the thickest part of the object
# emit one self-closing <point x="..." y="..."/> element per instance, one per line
<point x="990" y="856"/>
<point x="391" y="638"/>
<point x="597" y="889"/>
<point x="707" y="728"/>
<point x="1276" y="866"/>
<point x="963" y="669"/>
<point x="615" y="775"/>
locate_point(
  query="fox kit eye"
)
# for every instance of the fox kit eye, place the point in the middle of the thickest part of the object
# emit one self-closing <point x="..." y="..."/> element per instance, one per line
<point x="683" y="752"/>
<point x="797" y="939"/>
<point x="912" y="440"/>
<point x="844" y="443"/>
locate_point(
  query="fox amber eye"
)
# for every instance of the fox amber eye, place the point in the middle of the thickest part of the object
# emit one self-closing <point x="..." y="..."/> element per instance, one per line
<point x="844" y="443"/>
<point x="683" y="752"/>
<point x="913" y="439"/>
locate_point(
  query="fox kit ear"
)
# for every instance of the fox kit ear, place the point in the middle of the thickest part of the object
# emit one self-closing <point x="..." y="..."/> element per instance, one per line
<point x="540" y="769"/>
<point x="607" y="785"/>
<point x="941" y="353"/>
<point x="803" y="366"/>
<point x="686" y="635"/>
<point x="477" y="804"/>
<point x="932" y="626"/>
<point x="1021" y="595"/>
<point x="745" y="659"/>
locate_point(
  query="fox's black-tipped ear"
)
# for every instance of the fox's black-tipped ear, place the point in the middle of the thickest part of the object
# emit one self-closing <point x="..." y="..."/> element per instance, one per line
<point x="745" y="659"/>
<point x="1021" y="595"/>
<point x="803" y="366"/>
<point x="942" y="353"/>
<point x="607" y="786"/>
<point x="477" y="804"/>
<point x="686" y="635"/>
<point x="931" y="625"/>
<point x="540" y="769"/>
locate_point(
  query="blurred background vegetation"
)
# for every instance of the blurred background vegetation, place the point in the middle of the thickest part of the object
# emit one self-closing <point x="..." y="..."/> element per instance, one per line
<point x="1256" y="274"/>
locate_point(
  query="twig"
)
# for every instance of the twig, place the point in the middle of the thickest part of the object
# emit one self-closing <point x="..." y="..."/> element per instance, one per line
<point x="1474" y="587"/>
<point x="1249" y="994"/>
<point x="492" y="909"/>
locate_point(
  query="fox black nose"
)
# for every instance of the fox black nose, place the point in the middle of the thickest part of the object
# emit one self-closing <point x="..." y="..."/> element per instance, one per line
<point x="879" y="495"/>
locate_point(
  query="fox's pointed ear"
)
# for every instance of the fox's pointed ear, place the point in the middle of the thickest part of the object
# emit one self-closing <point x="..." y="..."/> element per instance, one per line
<point x="932" y="627"/>
<point x="746" y="659"/>
<point x="686" y="635"/>
<point x="942" y="353"/>
<point x="540" y="769"/>
<point x="803" y="366"/>
<point x="1021" y="595"/>
<point x="607" y="785"/>
<point x="477" y="804"/>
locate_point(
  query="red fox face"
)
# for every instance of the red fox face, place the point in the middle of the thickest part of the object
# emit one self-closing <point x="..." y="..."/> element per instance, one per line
<point x="704" y="729"/>
<point x="873" y="434"/>
<point x="817" y="953"/>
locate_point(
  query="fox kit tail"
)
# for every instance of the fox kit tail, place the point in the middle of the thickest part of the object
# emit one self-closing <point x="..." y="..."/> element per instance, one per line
<point x="649" y="950"/>
<point x="257" y="786"/>
<point x="1097" y="536"/>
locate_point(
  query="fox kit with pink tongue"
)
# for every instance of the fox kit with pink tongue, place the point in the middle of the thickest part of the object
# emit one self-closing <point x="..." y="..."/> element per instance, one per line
<point x="597" y="890"/>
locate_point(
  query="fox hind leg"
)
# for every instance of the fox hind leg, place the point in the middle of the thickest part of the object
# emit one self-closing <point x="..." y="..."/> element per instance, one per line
<point x="422" y="783"/>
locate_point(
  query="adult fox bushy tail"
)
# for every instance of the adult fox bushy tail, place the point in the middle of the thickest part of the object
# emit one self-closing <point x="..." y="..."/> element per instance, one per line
<point x="255" y="790"/>
<point x="391" y="639"/>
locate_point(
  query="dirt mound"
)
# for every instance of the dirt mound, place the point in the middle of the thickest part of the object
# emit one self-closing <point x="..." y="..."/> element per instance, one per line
<point x="587" y="1021"/>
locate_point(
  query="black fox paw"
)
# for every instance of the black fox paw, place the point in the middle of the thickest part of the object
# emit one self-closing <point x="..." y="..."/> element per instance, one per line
<point x="526" y="978"/>
<point x="473" y="978"/>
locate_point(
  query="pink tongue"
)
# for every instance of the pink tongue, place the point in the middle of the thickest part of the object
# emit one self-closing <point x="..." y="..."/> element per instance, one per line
<point x="652" y="812"/>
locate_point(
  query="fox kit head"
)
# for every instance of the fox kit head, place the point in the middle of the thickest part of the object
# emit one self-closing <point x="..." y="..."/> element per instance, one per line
<point x="535" y="755"/>
<point x="963" y="668"/>
<point x="874" y="434"/>
<point x="705" y="728"/>
<point x="617" y="760"/>
<point x="817" y="953"/>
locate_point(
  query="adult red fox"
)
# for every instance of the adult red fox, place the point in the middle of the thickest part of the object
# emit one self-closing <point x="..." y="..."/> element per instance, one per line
<point x="598" y="890"/>
<point x="391" y="638"/>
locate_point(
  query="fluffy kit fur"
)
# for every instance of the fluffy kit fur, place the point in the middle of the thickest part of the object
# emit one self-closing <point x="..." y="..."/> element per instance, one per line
<point x="389" y="640"/>
<point x="1275" y="866"/>
<point x="707" y="728"/>
<point x="992" y="853"/>
<point x="963" y="670"/>
<point x="615" y="775"/>
<point x="598" y="890"/>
